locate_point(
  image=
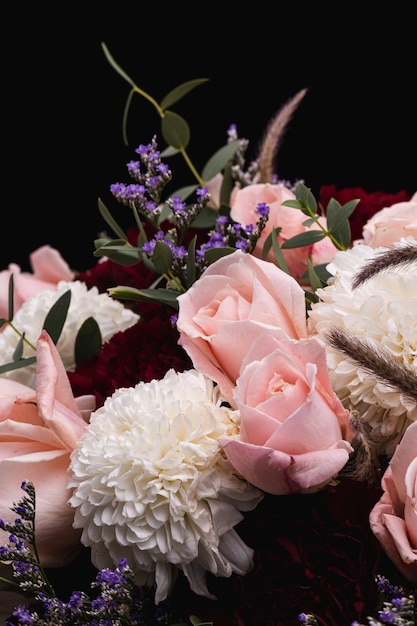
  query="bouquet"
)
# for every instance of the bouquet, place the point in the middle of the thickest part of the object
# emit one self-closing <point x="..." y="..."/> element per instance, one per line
<point x="216" y="423"/>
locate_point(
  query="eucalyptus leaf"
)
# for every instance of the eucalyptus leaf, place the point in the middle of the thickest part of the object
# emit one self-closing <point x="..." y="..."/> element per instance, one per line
<point x="322" y="273"/>
<point x="162" y="258"/>
<point x="191" y="268"/>
<point x="213" y="254"/>
<point x="115" y="65"/>
<point x="163" y="296"/>
<point x="343" y="235"/>
<point x="306" y="197"/>
<point x="336" y="214"/>
<point x="311" y="220"/>
<point x="179" y="92"/>
<point x="3" y="321"/>
<point x="106" y="215"/>
<point x="126" y="115"/>
<point x="88" y="341"/>
<point x="294" y="204"/>
<point x="121" y="254"/>
<point x="175" y="130"/>
<point x="205" y="219"/>
<point x="304" y="239"/>
<point x="310" y="298"/>
<point x="7" y="367"/>
<point x="56" y="316"/>
<point x="11" y="298"/>
<point x="184" y="192"/>
<point x="18" y="351"/>
<point x="169" y="151"/>
<point x="227" y="186"/>
<point x="313" y="277"/>
<point x="219" y="160"/>
<point x="279" y="257"/>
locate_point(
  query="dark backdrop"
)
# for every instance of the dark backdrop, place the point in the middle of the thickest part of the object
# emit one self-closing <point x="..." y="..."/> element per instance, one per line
<point x="63" y="103"/>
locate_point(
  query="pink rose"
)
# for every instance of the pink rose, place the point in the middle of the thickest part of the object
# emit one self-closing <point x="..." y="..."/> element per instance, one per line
<point x="48" y="269"/>
<point x="243" y="210"/>
<point x="391" y="224"/>
<point x="38" y="431"/>
<point x="294" y="431"/>
<point x="393" y="519"/>
<point x="236" y="299"/>
<point x="214" y="186"/>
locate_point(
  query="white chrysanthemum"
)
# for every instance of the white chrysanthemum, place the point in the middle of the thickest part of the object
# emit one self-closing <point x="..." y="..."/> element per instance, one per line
<point x="152" y="485"/>
<point x="383" y="310"/>
<point x="110" y="315"/>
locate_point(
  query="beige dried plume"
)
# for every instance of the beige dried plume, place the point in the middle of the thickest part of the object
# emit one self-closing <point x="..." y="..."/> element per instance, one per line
<point x="273" y="137"/>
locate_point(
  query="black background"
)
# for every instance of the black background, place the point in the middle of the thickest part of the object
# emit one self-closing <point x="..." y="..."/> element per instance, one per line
<point x="63" y="103"/>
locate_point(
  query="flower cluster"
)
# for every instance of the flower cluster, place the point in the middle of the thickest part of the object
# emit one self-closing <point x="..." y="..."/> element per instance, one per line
<point x="218" y="418"/>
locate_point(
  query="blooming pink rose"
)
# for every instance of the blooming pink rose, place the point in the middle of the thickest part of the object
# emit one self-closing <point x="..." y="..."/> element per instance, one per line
<point x="236" y="299"/>
<point x="243" y="210"/>
<point x="214" y="186"/>
<point x="38" y="431"/>
<point x="294" y="431"/>
<point x="393" y="519"/>
<point x="390" y="224"/>
<point x="48" y="269"/>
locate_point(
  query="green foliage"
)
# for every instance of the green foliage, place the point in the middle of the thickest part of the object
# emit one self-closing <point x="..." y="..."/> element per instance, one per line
<point x="337" y="218"/>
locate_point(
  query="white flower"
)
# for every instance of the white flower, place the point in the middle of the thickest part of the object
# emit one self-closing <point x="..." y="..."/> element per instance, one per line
<point x="152" y="485"/>
<point x="110" y="315"/>
<point x="383" y="311"/>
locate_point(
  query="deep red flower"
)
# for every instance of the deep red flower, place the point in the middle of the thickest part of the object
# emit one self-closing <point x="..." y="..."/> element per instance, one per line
<point x="370" y="203"/>
<point x="143" y="352"/>
<point x="313" y="554"/>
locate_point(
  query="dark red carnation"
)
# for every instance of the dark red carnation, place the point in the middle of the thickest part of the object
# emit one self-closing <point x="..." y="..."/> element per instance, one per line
<point x="144" y="352"/>
<point x="313" y="554"/>
<point x="370" y="203"/>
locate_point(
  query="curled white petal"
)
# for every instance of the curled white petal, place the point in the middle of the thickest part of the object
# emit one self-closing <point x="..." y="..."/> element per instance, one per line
<point x="110" y="315"/>
<point x="151" y="484"/>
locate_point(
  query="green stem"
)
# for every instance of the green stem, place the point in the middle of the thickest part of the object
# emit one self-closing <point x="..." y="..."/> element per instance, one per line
<point x="150" y="99"/>
<point x="9" y="582"/>
<point x="21" y="335"/>
<point x="191" y="167"/>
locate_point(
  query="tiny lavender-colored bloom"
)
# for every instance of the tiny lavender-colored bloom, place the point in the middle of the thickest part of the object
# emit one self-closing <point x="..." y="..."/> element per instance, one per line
<point x="235" y="300"/>
<point x="110" y="315"/>
<point x="48" y="269"/>
<point x="152" y="485"/>
<point x="294" y="432"/>
<point x="394" y="518"/>
<point x="382" y="311"/>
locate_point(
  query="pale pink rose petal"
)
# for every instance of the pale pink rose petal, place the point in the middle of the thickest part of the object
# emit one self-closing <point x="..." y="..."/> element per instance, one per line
<point x="37" y="436"/>
<point x="403" y="556"/>
<point x="410" y="505"/>
<point x="57" y="541"/>
<point x="405" y="453"/>
<point x="49" y="266"/>
<point x="279" y="473"/>
<point x="48" y="269"/>
<point x="316" y="420"/>
<point x="312" y="470"/>
<point x="262" y="467"/>
<point x="56" y="402"/>
<point x="9" y="392"/>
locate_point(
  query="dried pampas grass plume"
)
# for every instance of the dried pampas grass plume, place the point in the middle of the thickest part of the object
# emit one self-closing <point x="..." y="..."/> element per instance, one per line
<point x="401" y="255"/>
<point x="376" y="361"/>
<point x="365" y="464"/>
<point x="273" y="136"/>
